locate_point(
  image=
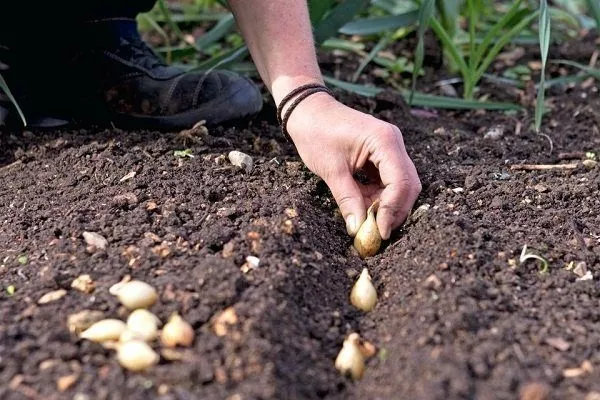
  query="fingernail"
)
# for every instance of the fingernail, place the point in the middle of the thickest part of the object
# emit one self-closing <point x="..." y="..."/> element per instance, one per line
<point x="386" y="233"/>
<point x="351" y="224"/>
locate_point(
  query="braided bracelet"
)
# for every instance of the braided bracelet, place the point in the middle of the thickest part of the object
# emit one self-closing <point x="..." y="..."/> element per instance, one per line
<point x="302" y="92"/>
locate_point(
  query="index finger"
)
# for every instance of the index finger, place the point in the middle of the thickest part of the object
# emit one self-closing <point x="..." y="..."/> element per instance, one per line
<point x="401" y="184"/>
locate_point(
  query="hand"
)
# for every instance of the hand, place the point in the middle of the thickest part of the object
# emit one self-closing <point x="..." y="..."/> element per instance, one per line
<point x="335" y="141"/>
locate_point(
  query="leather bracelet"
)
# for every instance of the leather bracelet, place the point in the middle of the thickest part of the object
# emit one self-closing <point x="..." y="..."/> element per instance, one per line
<point x="302" y="92"/>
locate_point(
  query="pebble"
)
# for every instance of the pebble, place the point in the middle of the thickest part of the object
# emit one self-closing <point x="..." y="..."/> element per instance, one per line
<point x="95" y="239"/>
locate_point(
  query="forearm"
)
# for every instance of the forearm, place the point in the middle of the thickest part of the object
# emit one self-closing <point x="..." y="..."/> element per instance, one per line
<point x="279" y="36"/>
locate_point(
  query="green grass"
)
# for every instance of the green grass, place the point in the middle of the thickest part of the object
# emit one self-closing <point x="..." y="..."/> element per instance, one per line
<point x="472" y="32"/>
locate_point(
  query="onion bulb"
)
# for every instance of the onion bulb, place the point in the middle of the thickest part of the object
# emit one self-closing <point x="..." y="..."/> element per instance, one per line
<point x="363" y="295"/>
<point x="368" y="239"/>
<point x="177" y="332"/>
<point x="136" y="355"/>
<point x="350" y="361"/>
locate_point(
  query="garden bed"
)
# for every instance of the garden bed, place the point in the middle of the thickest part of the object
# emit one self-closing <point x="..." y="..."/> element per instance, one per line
<point x="459" y="317"/>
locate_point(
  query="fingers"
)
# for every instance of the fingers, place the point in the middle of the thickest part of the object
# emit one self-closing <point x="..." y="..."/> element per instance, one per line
<point x="400" y="180"/>
<point x="349" y="198"/>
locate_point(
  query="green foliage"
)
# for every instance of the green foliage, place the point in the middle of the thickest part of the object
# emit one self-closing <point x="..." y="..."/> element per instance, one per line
<point x="4" y="87"/>
<point x="368" y="28"/>
<point x="544" y="29"/>
<point x="483" y="47"/>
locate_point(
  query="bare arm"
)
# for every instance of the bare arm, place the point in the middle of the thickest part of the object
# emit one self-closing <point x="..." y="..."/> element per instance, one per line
<point x="333" y="140"/>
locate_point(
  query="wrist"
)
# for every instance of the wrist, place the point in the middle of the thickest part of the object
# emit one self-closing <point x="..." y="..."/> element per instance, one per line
<point x="284" y="85"/>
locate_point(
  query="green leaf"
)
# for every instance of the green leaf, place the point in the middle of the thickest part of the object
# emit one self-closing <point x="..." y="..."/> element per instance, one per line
<point x="223" y="60"/>
<point x="187" y="153"/>
<point x="493" y="33"/>
<point x="425" y="15"/>
<point x="337" y="17"/>
<point x="594" y="6"/>
<point x="371" y="26"/>
<point x="544" y="27"/>
<point x="10" y="290"/>
<point x="318" y="9"/>
<point x="222" y="28"/>
<point x="372" y="54"/>
<point x="425" y="100"/>
<point x="588" y="70"/>
<point x="453" y="51"/>
<point x="6" y="90"/>
<point x="22" y="259"/>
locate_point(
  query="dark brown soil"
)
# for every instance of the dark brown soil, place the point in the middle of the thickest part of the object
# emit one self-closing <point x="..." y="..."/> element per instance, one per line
<point x="484" y="329"/>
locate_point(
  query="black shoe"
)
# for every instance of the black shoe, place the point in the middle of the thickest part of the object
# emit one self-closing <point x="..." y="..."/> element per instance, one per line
<point x="108" y="74"/>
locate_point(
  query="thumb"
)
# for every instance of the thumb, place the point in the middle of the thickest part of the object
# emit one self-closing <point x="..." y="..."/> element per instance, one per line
<point x="350" y="200"/>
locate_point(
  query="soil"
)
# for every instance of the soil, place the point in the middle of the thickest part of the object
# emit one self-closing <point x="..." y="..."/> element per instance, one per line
<point x="459" y="316"/>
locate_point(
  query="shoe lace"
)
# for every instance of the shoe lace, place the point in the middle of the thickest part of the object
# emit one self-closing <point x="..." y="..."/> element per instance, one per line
<point x="139" y="53"/>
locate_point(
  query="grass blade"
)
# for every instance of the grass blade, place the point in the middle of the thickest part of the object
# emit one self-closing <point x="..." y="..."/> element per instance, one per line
<point x="376" y="49"/>
<point x="594" y="6"/>
<point x="371" y="26"/>
<point x="318" y="9"/>
<point x="425" y="15"/>
<point x="449" y="45"/>
<point x="544" y="26"/>
<point x="337" y="17"/>
<point x="6" y="90"/>
<point x="222" y="28"/>
<point x="424" y="100"/>
<point x="223" y="60"/>
<point x="503" y="41"/>
<point x="152" y="22"/>
<point x="588" y="70"/>
<point x="493" y="33"/>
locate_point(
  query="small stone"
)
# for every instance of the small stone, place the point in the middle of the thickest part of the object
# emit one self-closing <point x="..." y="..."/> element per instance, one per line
<point x="84" y="283"/>
<point x="241" y="160"/>
<point x="432" y="282"/>
<point x="228" y="250"/>
<point x="534" y="391"/>
<point x="291" y="212"/>
<point x="589" y="164"/>
<point x="419" y="212"/>
<point x="95" y="240"/>
<point x="495" y="132"/>
<point x="541" y="188"/>
<point x="223" y="320"/>
<point x="587" y="277"/>
<point x="580" y="269"/>
<point x="52" y="296"/>
<point x="65" y="382"/>
<point x="458" y="190"/>
<point x="151" y="205"/>
<point x="558" y="343"/>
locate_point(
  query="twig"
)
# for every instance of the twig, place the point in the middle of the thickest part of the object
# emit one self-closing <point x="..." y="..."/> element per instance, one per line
<point x="572" y="155"/>
<point x="542" y="167"/>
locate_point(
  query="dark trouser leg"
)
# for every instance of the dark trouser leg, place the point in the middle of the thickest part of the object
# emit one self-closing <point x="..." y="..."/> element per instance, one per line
<point x="48" y="19"/>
